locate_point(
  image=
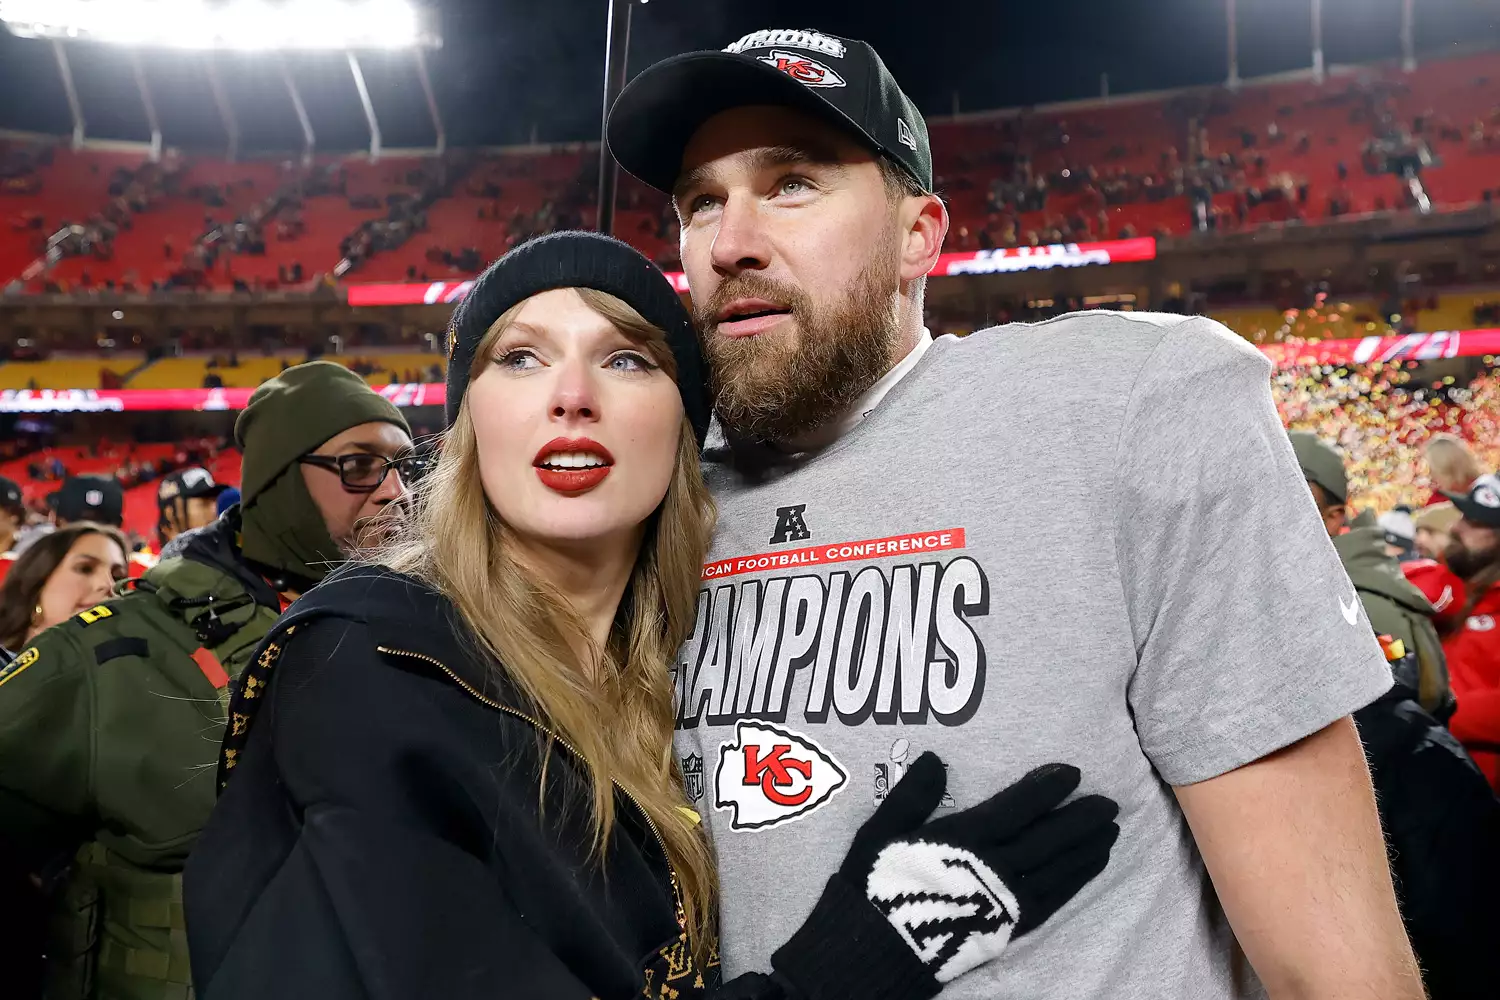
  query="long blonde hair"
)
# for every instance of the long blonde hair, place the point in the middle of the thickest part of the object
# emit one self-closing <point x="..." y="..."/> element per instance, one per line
<point x="620" y="718"/>
<point x="1450" y="463"/>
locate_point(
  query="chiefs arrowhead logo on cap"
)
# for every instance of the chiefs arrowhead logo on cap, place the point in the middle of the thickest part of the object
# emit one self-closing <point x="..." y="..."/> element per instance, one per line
<point x="771" y="775"/>
<point x="804" y="69"/>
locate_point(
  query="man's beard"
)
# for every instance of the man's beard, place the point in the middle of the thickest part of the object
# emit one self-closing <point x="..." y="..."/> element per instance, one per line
<point x="775" y="387"/>
<point x="1467" y="564"/>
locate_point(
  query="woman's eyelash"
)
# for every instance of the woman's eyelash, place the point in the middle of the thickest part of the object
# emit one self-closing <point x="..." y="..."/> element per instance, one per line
<point x="643" y="360"/>
<point x="506" y="358"/>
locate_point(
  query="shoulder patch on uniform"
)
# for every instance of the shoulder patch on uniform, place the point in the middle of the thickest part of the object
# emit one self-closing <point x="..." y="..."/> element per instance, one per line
<point x="94" y="614"/>
<point x="125" y="645"/>
<point x="28" y="656"/>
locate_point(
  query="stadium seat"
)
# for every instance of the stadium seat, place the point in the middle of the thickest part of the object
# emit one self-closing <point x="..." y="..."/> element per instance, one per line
<point x="61" y="373"/>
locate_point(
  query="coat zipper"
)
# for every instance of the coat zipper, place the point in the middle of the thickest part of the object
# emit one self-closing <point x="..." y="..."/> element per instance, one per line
<point x="484" y="699"/>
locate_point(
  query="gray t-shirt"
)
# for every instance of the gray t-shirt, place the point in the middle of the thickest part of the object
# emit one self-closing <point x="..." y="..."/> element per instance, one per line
<point x="1085" y="540"/>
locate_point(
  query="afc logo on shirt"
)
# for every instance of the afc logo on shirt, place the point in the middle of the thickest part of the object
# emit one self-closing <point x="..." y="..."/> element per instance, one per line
<point x="791" y="526"/>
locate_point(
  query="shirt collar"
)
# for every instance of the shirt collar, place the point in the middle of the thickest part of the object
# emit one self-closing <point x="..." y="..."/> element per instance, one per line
<point x="830" y="432"/>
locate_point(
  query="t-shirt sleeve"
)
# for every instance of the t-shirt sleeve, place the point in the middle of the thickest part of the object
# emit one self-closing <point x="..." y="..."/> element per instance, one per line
<point x="1248" y="634"/>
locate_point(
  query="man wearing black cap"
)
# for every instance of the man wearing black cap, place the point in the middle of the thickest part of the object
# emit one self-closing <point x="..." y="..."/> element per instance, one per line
<point x="186" y="499"/>
<point x="863" y="596"/>
<point x="108" y="721"/>
<point x="1439" y="815"/>
<point x="88" y="498"/>
<point x="1474" y="648"/>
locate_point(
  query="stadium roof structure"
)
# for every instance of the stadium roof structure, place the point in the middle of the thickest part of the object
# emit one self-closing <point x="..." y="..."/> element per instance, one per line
<point x="272" y="27"/>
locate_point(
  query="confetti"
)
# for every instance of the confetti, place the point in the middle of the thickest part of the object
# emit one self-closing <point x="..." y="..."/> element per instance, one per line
<point x="1380" y="418"/>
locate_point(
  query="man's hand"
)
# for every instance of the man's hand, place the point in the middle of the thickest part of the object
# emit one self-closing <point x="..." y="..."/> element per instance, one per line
<point x="1293" y="844"/>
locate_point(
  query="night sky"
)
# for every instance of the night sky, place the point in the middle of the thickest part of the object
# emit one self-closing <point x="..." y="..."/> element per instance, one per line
<point x="513" y="68"/>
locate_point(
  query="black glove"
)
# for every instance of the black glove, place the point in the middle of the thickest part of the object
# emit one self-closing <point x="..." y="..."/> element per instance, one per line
<point x="914" y="906"/>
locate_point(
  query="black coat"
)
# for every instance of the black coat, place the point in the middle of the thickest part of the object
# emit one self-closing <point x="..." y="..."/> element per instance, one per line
<point x="1442" y="824"/>
<point x="381" y="835"/>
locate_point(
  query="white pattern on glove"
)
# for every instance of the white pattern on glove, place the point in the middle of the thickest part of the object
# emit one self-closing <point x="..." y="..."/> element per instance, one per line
<point x="951" y="908"/>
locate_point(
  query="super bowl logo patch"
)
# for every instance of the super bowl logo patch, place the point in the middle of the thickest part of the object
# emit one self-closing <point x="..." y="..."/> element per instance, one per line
<point x="804" y="69"/>
<point x="14" y="667"/>
<point x="888" y="772"/>
<point x="770" y="775"/>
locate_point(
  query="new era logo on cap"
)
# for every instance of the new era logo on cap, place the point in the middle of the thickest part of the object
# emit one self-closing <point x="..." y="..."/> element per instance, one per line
<point x="903" y="134"/>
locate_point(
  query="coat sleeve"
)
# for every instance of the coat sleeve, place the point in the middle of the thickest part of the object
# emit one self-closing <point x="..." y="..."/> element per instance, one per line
<point x="46" y="747"/>
<point x="372" y="892"/>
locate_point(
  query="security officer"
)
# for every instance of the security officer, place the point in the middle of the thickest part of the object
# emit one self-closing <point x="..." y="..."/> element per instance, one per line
<point x="110" y="722"/>
<point x="1394" y="606"/>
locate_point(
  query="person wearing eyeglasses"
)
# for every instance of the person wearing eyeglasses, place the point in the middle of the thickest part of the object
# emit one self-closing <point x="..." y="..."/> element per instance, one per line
<point x="362" y="471"/>
<point x="109" y="721"/>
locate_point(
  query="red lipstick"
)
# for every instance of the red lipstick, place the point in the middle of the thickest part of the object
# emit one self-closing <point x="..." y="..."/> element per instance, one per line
<point x="572" y="466"/>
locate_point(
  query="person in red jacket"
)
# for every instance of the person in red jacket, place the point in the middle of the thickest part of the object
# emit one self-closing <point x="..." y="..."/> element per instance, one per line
<point x="1473" y="648"/>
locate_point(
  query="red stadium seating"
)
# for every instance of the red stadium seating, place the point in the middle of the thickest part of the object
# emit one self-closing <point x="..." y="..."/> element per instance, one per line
<point x="140" y="501"/>
<point x="1136" y="138"/>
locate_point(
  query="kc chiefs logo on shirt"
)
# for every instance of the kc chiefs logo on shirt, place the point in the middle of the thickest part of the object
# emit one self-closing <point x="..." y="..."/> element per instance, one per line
<point x="771" y="775"/>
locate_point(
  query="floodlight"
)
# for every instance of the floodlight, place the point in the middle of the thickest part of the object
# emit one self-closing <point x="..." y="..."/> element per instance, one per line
<point x="247" y="25"/>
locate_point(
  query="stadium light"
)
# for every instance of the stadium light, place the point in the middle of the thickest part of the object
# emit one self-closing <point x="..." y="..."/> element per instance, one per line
<point x="243" y="25"/>
<point x="268" y="26"/>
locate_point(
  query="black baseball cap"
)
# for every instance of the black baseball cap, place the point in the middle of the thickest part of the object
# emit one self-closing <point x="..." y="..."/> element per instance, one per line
<point x="90" y="498"/>
<point x="1481" y="504"/>
<point x="841" y="80"/>
<point x="10" y="495"/>
<point x="194" y="481"/>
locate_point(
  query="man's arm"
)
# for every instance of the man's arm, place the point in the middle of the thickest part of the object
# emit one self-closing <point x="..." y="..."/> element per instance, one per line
<point x="1293" y="844"/>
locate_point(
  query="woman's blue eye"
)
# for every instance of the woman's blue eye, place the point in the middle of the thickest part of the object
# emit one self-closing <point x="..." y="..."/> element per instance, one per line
<point x="517" y="360"/>
<point x="629" y="361"/>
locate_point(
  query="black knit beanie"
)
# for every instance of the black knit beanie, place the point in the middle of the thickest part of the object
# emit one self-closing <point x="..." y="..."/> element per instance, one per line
<point x="578" y="260"/>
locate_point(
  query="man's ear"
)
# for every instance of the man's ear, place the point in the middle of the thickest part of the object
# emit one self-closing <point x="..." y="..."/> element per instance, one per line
<point x="924" y="225"/>
<point x="1337" y="516"/>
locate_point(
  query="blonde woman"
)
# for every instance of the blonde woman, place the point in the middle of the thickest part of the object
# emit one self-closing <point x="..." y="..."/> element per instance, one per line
<point x="1451" y="466"/>
<point x="461" y="784"/>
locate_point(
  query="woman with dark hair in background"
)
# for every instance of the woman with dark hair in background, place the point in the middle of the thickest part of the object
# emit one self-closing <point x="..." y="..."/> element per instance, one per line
<point x="62" y="573"/>
<point x="59" y="575"/>
<point x="459" y="782"/>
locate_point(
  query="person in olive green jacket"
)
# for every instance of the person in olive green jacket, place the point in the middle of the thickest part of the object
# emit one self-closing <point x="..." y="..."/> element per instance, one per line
<point x="1394" y="606"/>
<point x="110" y="723"/>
